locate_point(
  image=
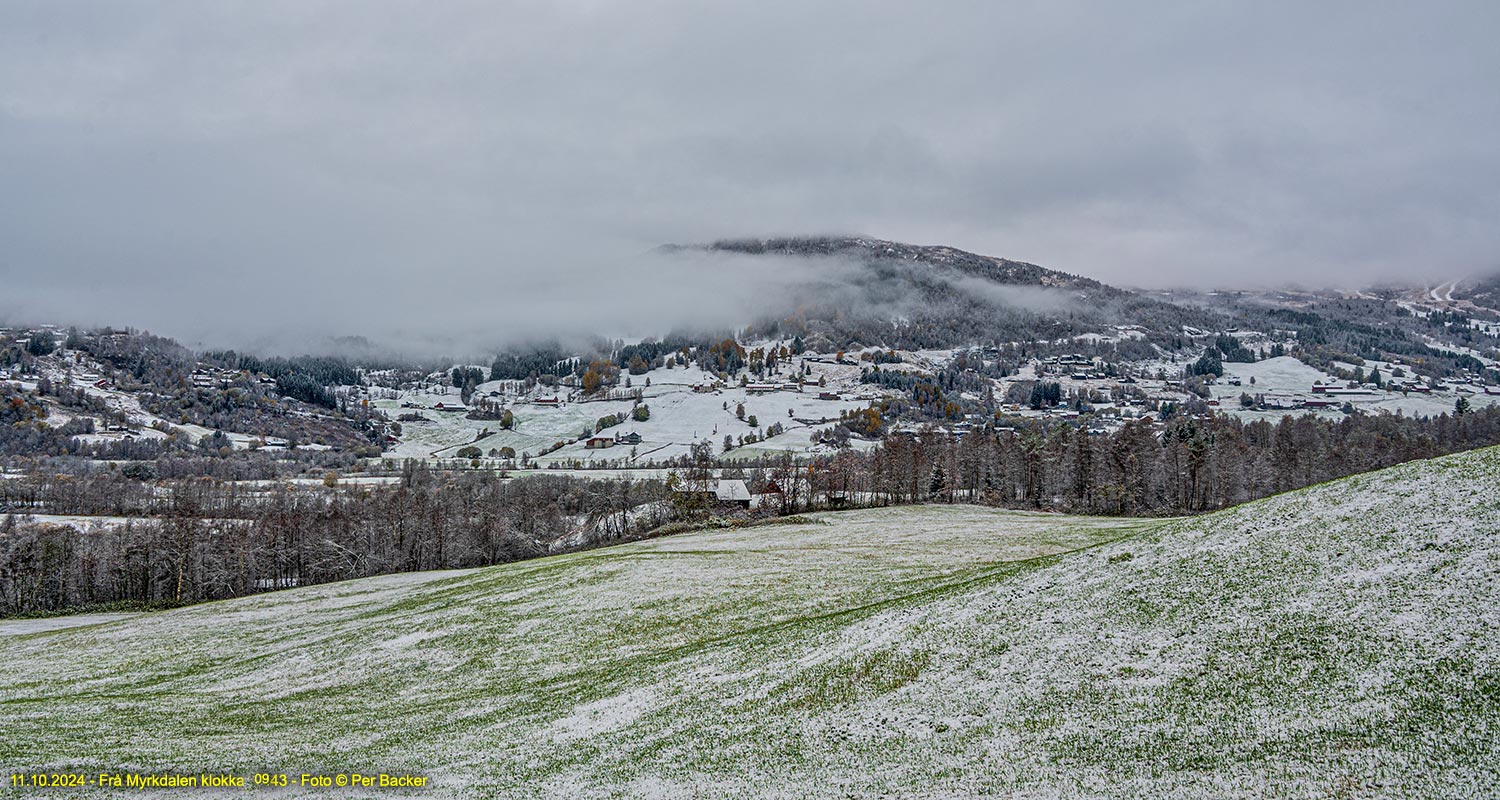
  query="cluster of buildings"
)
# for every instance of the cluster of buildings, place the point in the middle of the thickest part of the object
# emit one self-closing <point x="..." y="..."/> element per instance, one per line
<point x="602" y="442"/>
<point x="767" y="388"/>
<point x="204" y="377"/>
<point x="441" y="405"/>
<point x="1070" y="360"/>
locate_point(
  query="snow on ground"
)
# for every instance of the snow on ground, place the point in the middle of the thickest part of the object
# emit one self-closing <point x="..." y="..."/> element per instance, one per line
<point x="1288" y="379"/>
<point x="1468" y="351"/>
<point x="75" y="369"/>
<point x="1336" y="641"/>
<point x="79" y="521"/>
<point x="1281" y="374"/>
<point x="21" y="627"/>
<point x="526" y="650"/>
<point x="96" y="522"/>
<point x="343" y="480"/>
<point x="239" y="441"/>
<point x="1122" y="333"/>
<point x="679" y="418"/>
<point x="1443" y="292"/>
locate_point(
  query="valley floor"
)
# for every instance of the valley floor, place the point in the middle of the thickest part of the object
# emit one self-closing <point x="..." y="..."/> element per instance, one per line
<point x="1336" y="641"/>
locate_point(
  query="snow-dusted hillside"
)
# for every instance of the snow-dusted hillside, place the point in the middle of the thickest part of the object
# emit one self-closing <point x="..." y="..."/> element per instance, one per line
<point x="1339" y="641"/>
<point x="1285" y="381"/>
<point x="679" y="417"/>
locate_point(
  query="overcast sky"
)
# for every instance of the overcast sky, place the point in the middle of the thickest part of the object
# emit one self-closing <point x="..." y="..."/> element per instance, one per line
<point x="204" y="166"/>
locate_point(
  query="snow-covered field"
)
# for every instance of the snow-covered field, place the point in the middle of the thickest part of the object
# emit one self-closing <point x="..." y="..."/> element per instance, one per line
<point x="679" y="418"/>
<point x="1286" y="378"/>
<point x="21" y="627"/>
<point x="82" y="522"/>
<point x="1339" y="641"/>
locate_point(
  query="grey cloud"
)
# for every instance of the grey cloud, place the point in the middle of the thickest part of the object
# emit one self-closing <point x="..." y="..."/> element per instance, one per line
<point x="423" y="171"/>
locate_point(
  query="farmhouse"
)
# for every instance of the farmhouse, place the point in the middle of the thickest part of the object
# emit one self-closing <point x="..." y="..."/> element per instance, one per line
<point x="1320" y="388"/>
<point x="628" y="438"/>
<point x="733" y="492"/>
<point x="725" y="492"/>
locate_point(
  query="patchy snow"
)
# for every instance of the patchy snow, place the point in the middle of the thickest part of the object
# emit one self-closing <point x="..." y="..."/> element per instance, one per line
<point x="1335" y="641"/>
<point x="680" y="417"/>
<point x="22" y="627"/>
<point x="1288" y="380"/>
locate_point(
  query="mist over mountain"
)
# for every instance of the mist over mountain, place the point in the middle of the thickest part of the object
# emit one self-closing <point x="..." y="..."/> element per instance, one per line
<point x="901" y="295"/>
<point x="839" y="290"/>
<point x="845" y="289"/>
<point x="430" y="177"/>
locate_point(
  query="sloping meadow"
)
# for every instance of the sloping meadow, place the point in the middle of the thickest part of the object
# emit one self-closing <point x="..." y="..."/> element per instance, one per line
<point x="1338" y="641"/>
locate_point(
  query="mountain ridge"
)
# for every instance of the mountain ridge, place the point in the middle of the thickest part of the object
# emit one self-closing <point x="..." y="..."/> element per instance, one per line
<point x="933" y="296"/>
<point x="996" y="268"/>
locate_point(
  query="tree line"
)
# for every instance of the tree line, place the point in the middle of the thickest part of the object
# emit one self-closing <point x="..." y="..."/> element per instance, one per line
<point x="194" y="539"/>
<point x="208" y="540"/>
<point x="1188" y="465"/>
